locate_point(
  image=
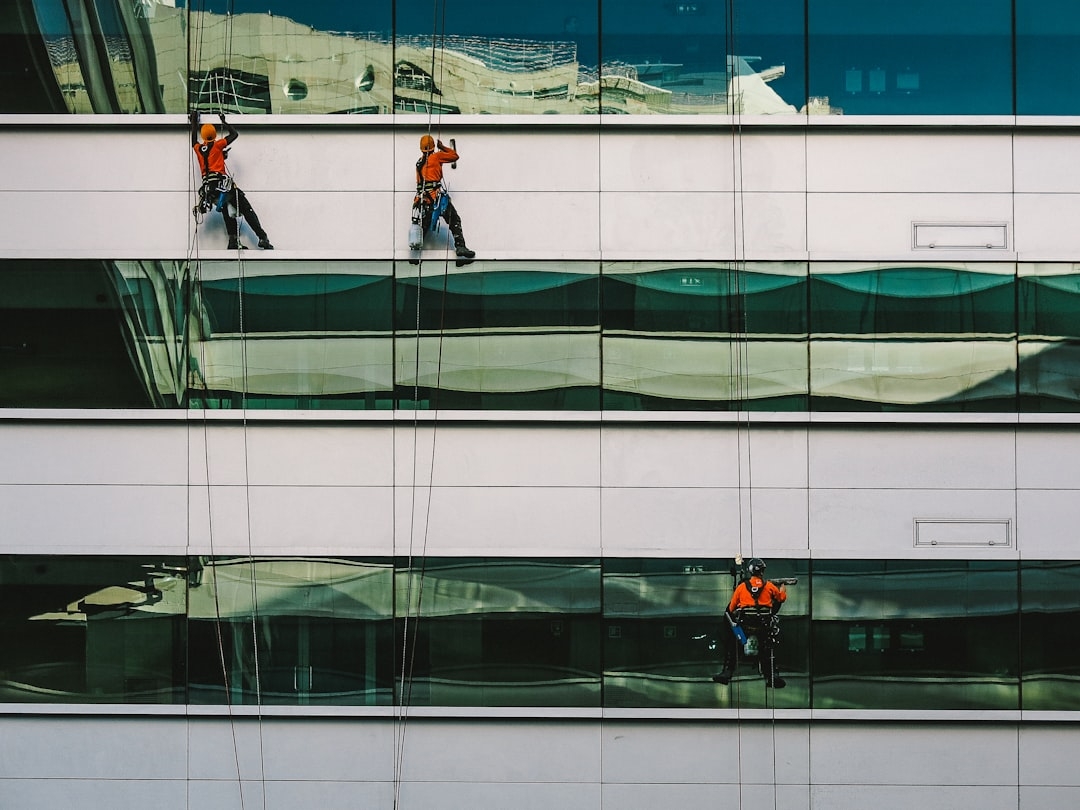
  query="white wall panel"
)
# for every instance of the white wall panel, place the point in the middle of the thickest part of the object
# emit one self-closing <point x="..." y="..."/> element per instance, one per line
<point x="772" y="226"/>
<point x="497" y="456"/>
<point x="912" y="458"/>
<point x="853" y="162"/>
<point x="668" y="225"/>
<point x="511" y="521"/>
<point x="1046" y="524"/>
<point x="878" y="226"/>
<point x="1045" y="227"/>
<point x="1046" y="163"/>
<point x="320" y="455"/>
<point x="909" y="754"/>
<point x="92" y="519"/>
<point x="904" y="797"/>
<point x="95" y="224"/>
<point x="879" y="523"/>
<point x="1048" y="755"/>
<point x="651" y="522"/>
<point x="515" y="160"/>
<point x="460" y="795"/>
<point x="59" y="453"/>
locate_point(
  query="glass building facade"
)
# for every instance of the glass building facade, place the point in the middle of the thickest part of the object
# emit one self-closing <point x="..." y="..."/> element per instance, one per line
<point x="964" y="57"/>
<point x="531" y="632"/>
<point x="583" y="336"/>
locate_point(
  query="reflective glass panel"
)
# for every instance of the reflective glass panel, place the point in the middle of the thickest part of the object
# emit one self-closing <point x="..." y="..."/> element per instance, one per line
<point x="913" y="337"/>
<point x="500" y="632"/>
<point x="64" y="337"/>
<point x="290" y="57"/>
<point x="699" y="56"/>
<point x="92" y="630"/>
<point x="472" y="57"/>
<point x="908" y="634"/>
<point x="1051" y="614"/>
<point x="292" y="335"/>
<point x="920" y="57"/>
<point x="1049" y="318"/>
<point x="695" y="336"/>
<point x="507" y="336"/>
<point x="665" y="636"/>
<point x="295" y="631"/>
<point x="1046" y="36"/>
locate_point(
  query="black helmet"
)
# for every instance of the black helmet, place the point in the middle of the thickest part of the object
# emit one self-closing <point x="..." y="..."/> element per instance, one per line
<point x="756" y="567"/>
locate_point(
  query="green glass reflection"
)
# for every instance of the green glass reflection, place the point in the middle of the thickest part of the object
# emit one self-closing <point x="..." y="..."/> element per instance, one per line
<point x="1050" y="613"/>
<point x="697" y="336"/>
<point x="291" y="335"/>
<point x="525" y="336"/>
<point x="913" y="337"/>
<point x="907" y="634"/>
<point x="1049" y="314"/>
<point x="499" y="632"/>
<point x="291" y="631"/>
<point x="65" y="340"/>
<point x="92" y="629"/>
<point x="665" y="636"/>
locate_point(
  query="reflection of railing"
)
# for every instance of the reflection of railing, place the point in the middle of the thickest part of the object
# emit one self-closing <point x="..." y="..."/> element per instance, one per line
<point x="506" y="55"/>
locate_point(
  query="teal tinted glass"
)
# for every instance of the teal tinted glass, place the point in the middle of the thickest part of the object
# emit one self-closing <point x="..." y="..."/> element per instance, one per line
<point x="291" y="631"/>
<point x="1049" y="316"/>
<point x="699" y="336"/>
<point x="526" y="335"/>
<point x="665" y="636"/>
<point x="915" y="635"/>
<point x="292" y="335"/>
<point x="499" y="632"/>
<point x="689" y="58"/>
<point x="92" y="629"/>
<point x="913" y="337"/>
<point x="65" y="340"/>
<point x="469" y="57"/>
<point x="915" y="58"/>
<point x="1051" y="611"/>
<point x="1046" y="36"/>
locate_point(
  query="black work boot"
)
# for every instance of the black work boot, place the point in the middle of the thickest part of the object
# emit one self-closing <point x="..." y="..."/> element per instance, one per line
<point x="234" y="244"/>
<point x="724" y="676"/>
<point x="465" y="256"/>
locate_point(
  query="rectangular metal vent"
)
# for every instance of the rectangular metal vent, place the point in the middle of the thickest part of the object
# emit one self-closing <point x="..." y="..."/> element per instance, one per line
<point x="959" y="236"/>
<point x="951" y="533"/>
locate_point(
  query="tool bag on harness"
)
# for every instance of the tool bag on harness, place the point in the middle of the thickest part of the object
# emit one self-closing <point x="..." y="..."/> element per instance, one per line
<point x="428" y="206"/>
<point x="214" y="193"/>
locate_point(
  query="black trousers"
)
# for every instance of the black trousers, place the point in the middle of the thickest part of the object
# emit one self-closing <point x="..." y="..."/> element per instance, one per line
<point x="766" y="654"/>
<point x="238" y="200"/>
<point x="449" y="215"/>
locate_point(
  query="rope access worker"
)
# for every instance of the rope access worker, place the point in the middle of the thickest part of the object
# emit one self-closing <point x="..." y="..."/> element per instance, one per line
<point x="431" y="199"/>
<point x="752" y="613"/>
<point x="218" y="190"/>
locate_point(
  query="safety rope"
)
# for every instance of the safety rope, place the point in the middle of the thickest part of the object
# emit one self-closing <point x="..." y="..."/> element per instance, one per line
<point x="194" y="278"/>
<point x="409" y="641"/>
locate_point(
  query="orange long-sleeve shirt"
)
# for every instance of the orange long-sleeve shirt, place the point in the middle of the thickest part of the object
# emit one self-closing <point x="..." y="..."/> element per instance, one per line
<point x="431" y="170"/>
<point x="769" y="594"/>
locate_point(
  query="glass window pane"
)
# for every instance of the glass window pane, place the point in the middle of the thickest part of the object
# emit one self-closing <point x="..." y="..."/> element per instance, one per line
<point x="682" y="58"/>
<point x="500" y="632"/>
<point x="92" y="630"/>
<point x="913" y="634"/>
<point x="920" y="57"/>
<point x="522" y="335"/>
<point x="1049" y="317"/>
<point x="64" y="337"/>
<point x="312" y="334"/>
<point x="291" y="631"/>
<point x="665" y="636"/>
<point x="284" y="57"/>
<point x="520" y="58"/>
<point x="1046" y="36"/>
<point x="1051" y="613"/>
<point x="906" y="337"/>
<point x="696" y="336"/>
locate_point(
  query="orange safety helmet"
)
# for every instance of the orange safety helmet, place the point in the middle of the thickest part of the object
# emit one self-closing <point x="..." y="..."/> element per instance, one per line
<point x="208" y="132"/>
<point x="427" y="144"/>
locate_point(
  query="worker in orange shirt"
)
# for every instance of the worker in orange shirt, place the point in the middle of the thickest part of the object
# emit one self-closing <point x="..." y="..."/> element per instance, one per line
<point x="218" y="190"/>
<point x="431" y="199"/>
<point x="751" y="612"/>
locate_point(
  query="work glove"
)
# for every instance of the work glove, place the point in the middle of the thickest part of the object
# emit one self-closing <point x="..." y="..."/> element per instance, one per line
<point x="221" y="116"/>
<point x="440" y="145"/>
<point x="193" y="118"/>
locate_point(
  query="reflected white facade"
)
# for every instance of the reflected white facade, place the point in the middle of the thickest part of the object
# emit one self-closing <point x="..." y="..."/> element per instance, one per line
<point x="792" y="189"/>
